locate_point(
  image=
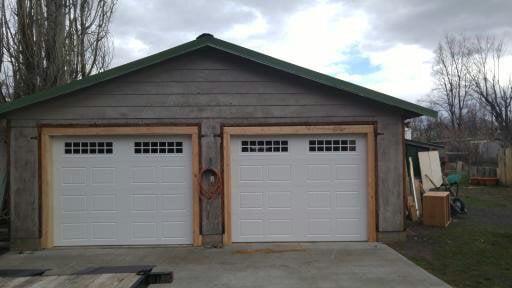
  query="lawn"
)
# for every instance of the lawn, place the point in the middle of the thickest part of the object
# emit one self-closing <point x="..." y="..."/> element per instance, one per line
<point x="475" y="250"/>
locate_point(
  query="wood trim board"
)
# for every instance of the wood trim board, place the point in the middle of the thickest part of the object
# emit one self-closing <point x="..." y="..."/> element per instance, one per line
<point x="46" y="134"/>
<point x="368" y="130"/>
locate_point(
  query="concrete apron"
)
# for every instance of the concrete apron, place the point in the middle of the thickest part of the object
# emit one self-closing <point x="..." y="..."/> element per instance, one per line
<point x="335" y="264"/>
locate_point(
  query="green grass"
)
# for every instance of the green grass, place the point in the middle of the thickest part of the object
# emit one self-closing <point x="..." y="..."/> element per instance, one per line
<point x="474" y="250"/>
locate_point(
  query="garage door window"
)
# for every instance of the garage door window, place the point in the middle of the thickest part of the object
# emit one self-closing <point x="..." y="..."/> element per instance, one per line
<point x="332" y="145"/>
<point x="252" y="146"/>
<point x="88" y="148"/>
<point x="158" y="147"/>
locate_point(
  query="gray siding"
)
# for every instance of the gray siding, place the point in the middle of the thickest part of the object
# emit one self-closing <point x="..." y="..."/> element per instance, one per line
<point x="212" y="89"/>
<point x="24" y="188"/>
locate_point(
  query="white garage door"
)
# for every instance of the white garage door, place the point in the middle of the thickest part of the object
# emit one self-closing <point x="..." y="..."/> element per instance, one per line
<point x="299" y="188"/>
<point x="122" y="190"/>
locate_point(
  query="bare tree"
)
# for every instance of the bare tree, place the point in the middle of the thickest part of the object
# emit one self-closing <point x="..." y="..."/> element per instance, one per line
<point x="490" y="87"/>
<point x="427" y="129"/>
<point x="46" y="43"/>
<point x="453" y="86"/>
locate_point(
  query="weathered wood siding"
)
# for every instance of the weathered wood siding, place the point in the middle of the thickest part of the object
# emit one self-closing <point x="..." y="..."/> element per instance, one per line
<point x="209" y="88"/>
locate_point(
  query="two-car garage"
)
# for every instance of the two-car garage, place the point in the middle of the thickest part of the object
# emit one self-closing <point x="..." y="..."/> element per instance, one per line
<point x="117" y="158"/>
<point x="119" y="189"/>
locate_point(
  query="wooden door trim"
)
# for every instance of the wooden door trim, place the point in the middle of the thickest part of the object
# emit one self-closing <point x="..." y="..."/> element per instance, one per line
<point x="368" y="130"/>
<point x="46" y="172"/>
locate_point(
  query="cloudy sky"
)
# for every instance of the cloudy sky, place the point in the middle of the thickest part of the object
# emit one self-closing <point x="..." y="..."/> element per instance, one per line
<point x="385" y="45"/>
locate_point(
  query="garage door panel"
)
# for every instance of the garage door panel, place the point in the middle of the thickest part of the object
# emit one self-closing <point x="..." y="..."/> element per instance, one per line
<point x="348" y="185"/>
<point x="279" y="199"/>
<point x="144" y="230"/>
<point x="248" y="214"/>
<point x="280" y="228"/>
<point x="347" y="227"/>
<point x="73" y="176"/>
<point x="146" y="190"/>
<point x="172" y="202"/>
<point x="103" y="203"/>
<point x="251" y="228"/>
<point x="143" y="175"/>
<point x="299" y="195"/>
<point x="251" y="173"/>
<point x="103" y="176"/>
<point x="99" y="216"/>
<point x="173" y="175"/>
<point x="173" y="189"/>
<point x="348" y="200"/>
<point x="175" y="230"/>
<point x="318" y="199"/>
<point x="279" y="173"/>
<point x="319" y="213"/>
<point x="251" y="200"/>
<point x="350" y="213"/>
<point x="278" y="214"/>
<point x="75" y="203"/>
<point x="75" y="231"/>
<point x="123" y="198"/>
<point x="347" y="172"/>
<point x="318" y="172"/>
<point x="319" y="227"/>
<point x="104" y="231"/>
<point x="143" y="203"/>
<point x="75" y="217"/>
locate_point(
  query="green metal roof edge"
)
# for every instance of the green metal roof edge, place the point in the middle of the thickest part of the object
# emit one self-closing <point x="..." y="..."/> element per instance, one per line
<point x="227" y="47"/>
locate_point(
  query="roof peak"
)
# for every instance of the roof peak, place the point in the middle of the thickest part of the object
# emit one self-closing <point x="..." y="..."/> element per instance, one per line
<point x="205" y="35"/>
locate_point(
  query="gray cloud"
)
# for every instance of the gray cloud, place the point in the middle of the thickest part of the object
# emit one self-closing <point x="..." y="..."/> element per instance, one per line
<point x="161" y="24"/>
<point x="425" y="22"/>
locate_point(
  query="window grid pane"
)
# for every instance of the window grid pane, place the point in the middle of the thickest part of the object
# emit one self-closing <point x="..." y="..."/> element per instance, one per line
<point x="158" y="147"/>
<point x="264" y="146"/>
<point x="88" y="148"/>
<point x="332" y="145"/>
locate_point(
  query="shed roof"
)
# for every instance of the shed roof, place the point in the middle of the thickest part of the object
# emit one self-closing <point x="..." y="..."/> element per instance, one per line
<point x="207" y="40"/>
<point x="426" y="145"/>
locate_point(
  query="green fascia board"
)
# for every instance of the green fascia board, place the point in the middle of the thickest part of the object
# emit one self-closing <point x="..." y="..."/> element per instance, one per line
<point x="228" y="47"/>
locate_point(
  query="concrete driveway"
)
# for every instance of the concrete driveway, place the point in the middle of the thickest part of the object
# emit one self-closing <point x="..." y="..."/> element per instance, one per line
<point x="253" y="265"/>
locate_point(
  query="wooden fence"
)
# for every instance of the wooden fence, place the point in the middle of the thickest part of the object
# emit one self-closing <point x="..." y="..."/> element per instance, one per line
<point x="505" y="166"/>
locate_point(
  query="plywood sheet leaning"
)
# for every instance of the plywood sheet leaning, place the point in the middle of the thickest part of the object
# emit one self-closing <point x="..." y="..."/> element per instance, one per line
<point x="430" y="168"/>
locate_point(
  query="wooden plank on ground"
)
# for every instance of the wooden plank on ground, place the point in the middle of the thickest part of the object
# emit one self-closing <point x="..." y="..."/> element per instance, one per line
<point x="118" y="280"/>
